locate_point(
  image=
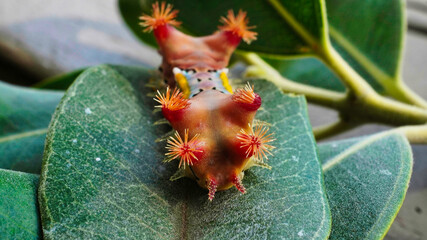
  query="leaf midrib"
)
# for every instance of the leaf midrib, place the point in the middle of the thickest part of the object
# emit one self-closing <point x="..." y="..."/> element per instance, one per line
<point x="353" y="149"/>
<point x="296" y="26"/>
<point x="371" y="67"/>
<point x="27" y="134"/>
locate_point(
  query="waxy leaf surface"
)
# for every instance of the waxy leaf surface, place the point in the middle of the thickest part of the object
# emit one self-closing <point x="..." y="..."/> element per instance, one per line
<point x="366" y="181"/>
<point x="103" y="175"/>
<point x="19" y="217"/>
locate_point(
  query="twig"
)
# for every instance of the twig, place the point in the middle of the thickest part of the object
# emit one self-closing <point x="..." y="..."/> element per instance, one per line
<point x="259" y="68"/>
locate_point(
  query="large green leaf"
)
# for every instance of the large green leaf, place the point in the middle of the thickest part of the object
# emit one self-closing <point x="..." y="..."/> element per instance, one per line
<point x="276" y="36"/>
<point x="18" y="206"/>
<point x="370" y="35"/>
<point x="103" y="175"/>
<point x="371" y="41"/>
<point x="366" y="181"/>
<point x="25" y="114"/>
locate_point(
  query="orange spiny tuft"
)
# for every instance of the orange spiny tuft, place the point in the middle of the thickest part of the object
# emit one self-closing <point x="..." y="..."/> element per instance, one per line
<point x="162" y="15"/>
<point x="185" y="150"/>
<point x="173" y="102"/>
<point x="256" y="141"/>
<point x="238" y="25"/>
<point x="212" y="187"/>
<point x="244" y="95"/>
<point x="238" y="183"/>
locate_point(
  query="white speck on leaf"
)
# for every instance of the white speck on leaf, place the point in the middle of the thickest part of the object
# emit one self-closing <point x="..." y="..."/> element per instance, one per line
<point x="97" y="159"/>
<point x="67" y="152"/>
<point x="88" y="111"/>
<point x="301" y="233"/>
<point x="68" y="165"/>
<point x="295" y="159"/>
<point x="137" y="151"/>
<point x="103" y="72"/>
<point x="74" y="140"/>
<point x="385" y="172"/>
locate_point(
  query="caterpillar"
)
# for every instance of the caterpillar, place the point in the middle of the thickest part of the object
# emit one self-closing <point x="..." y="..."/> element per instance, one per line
<point x="216" y="138"/>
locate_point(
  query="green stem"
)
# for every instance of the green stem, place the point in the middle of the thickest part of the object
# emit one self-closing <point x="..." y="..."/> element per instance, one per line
<point x="402" y="92"/>
<point x="334" y="129"/>
<point x="364" y="101"/>
<point x="314" y="94"/>
<point x="414" y="134"/>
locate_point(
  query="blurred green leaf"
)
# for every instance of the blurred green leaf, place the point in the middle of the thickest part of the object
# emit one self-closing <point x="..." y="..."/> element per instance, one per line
<point x="368" y="34"/>
<point x="275" y="36"/>
<point x="60" y="82"/>
<point x="25" y="114"/>
<point x="309" y="71"/>
<point x="366" y="181"/>
<point x="19" y="217"/>
<point x="103" y="175"/>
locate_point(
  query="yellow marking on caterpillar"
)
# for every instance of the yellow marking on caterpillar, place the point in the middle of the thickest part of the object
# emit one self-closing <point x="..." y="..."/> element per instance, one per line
<point x="183" y="84"/>
<point x="225" y="82"/>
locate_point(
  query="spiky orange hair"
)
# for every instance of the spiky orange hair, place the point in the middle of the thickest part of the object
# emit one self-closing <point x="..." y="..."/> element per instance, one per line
<point x="183" y="149"/>
<point x="161" y="15"/>
<point x="244" y="95"/>
<point x="238" y="25"/>
<point x="255" y="142"/>
<point x="173" y="102"/>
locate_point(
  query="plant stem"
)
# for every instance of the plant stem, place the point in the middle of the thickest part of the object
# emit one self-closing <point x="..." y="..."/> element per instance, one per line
<point x="364" y="101"/>
<point x="415" y="134"/>
<point x="402" y="92"/>
<point x="314" y="94"/>
<point x="334" y="129"/>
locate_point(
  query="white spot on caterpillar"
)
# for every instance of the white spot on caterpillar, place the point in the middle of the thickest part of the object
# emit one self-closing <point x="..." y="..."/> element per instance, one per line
<point x="385" y="172"/>
<point x="176" y="70"/>
<point x="224" y="70"/>
<point x="88" y="111"/>
<point x="301" y="233"/>
<point x="97" y="159"/>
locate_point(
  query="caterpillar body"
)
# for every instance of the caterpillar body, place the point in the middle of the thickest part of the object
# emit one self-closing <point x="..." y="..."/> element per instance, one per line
<point x="215" y="139"/>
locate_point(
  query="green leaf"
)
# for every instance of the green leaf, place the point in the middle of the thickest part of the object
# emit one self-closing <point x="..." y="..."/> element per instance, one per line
<point x="25" y="114"/>
<point x="275" y="35"/>
<point x="18" y="206"/>
<point x="103" y="175"/>
<point x="366" y="181"/>
<point x="310" y="71"/>
<point x="371" y="40"/>
<point x="60" y="82"/>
